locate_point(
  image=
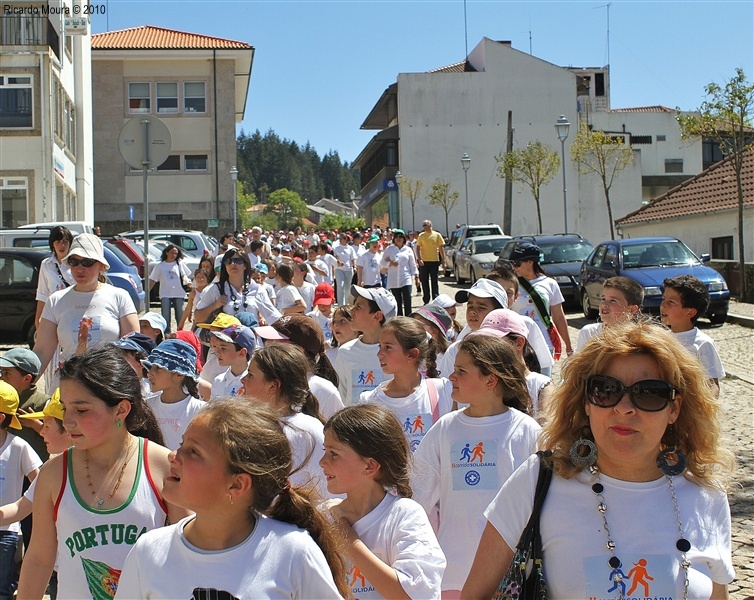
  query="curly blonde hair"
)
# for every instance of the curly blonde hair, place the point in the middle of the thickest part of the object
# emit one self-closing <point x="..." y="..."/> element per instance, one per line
<point x="697" y="431"/>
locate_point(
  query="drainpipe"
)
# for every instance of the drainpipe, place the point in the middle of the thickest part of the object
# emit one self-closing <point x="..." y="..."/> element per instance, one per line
<point x="214" y="110"/>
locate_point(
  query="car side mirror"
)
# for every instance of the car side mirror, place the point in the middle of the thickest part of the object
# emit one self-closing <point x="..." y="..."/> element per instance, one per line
<point x="705" y="258"/>
<point x="496" y="253"/>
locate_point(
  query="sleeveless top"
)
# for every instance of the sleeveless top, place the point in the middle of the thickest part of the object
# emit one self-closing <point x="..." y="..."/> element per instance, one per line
<point x="93" y="543"/>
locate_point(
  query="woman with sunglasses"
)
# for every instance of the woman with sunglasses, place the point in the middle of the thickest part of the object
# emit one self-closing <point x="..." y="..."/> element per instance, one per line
<point x="87" y="312"/>
<point x="236" y="292"/>
<point x="637" y="505"/>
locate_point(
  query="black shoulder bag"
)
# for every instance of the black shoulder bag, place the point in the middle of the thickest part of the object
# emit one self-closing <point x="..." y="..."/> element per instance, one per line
<point x="516" y="585"/>
<point x="544" y="314"/>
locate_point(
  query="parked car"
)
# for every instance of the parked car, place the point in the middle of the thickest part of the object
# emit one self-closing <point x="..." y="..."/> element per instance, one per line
<point x="650" y="261"/>
<point x="132" y="250"/>
<point x="75" y="227"/>
<point x="476" y="256"/>
<point x="24" y="238"/>
<point x="124" y="274"/>
<point x="194" y="243"/>
<point x="460" y="235"/>
<point x="19" y="276"/>
<point x="561" y="258"/>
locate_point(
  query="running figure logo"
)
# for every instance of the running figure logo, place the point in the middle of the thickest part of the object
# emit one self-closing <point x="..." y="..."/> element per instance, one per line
<point x="418" y="424"/>
<point x="356" y="573"/>
<point x="466" y="453"/>
<point x="478" y="452"/>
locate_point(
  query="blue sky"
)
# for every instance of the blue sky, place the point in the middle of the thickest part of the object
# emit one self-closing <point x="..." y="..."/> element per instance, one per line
<point x="320" y="66"/>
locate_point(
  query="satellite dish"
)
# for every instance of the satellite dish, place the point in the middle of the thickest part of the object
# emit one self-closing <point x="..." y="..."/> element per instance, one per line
<point x="144" y="142"/>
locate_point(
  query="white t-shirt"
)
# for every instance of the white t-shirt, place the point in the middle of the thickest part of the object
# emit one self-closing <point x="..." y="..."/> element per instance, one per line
<point x="358" y="369"/>
<point x="414" y="412"/>
<point x="402" y="275"/>
<point x="326" y="394"/>
<point x="53" y="276"/>
<point x="586" y="333"/>
<point x="254" y="301"/>
<point x="212" y="367"/>
<point x="307" y="294"/>
<point x="702" y="346"/>
<point x="170" y="277"/>
<point x="322" y="266"/>
<point x="174" y="417"/>
<point x="306" y="435"/>
<point x="642" y="524"/>
<point x="534" y="383"/>
<point x="277" y="560"/>
<point x="324" y="322"/>
<point x="17" y="460"/>
<point x="370" y="268"/>
<point x="398" y="532"/>
<point x="227" y="385"/>
<point x="462" y="462"/>
<point x="331" y="263"/>
<point x="287" y="296"/>
<point x="345" y="254"/>
<point x="550" y="291"/>
<point x="105" y="306"/>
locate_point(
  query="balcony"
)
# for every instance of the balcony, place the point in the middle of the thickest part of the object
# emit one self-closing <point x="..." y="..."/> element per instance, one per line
<point x="25" y="30"/>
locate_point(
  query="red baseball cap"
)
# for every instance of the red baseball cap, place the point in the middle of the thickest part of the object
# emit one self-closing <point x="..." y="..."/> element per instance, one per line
<point x="324" y="294"/>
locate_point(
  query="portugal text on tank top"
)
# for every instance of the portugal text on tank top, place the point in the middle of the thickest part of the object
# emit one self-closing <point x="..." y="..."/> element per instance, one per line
<point x="93" y="544"/>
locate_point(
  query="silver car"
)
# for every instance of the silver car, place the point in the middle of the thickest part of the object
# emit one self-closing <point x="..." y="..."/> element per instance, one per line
<point x="476" y="256"/>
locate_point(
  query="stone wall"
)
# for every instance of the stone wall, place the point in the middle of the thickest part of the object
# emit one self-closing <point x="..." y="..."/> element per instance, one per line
<point x="729" y="270"/>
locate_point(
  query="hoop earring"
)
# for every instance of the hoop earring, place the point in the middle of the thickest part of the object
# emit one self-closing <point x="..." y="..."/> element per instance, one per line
<point x="583" y="461"/>
<point x="668" y="469"/>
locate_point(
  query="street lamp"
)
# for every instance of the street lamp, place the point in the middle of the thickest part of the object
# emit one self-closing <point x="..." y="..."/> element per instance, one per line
<point x="398" y="177"/>
<point x="465" y="164"/>
<point x="234" y="177"/>
<point x="561" y="126"/>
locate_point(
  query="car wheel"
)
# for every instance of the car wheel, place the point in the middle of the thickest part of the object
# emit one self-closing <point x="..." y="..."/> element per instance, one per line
<point x="589" y="312"/>
<point x="459" y="279"/>
<point x="472" y="276"/>
<point x="718" y="318"/>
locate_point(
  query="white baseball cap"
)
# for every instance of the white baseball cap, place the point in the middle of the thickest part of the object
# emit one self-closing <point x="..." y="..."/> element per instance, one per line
<point x="384" y="299"/>
<point x="484" y="288"/>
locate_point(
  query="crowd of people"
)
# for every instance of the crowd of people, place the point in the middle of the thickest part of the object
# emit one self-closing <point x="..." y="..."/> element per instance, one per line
<point x="305" y="432"/>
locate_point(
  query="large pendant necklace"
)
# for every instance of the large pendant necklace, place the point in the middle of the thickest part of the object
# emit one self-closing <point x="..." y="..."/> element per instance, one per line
<point x="615" y="564"/>
<point x="98" y="502"/>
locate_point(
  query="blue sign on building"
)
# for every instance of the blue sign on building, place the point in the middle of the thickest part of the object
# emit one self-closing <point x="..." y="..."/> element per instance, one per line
<point x="389" y="185"/>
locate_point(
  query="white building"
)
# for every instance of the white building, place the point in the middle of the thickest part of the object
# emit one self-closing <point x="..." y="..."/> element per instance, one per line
<point x="427" y="121"/>
<point x="46" y="171"/>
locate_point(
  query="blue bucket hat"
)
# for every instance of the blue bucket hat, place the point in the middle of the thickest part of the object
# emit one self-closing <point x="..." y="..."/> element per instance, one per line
<point x="175" y="356"/>
<point x="136" y="341"/>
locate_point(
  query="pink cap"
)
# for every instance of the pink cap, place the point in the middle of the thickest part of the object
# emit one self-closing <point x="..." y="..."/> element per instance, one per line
<point x="505" y="321"/>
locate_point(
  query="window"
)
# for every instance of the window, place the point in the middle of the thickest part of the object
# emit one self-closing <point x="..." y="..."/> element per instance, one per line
<point x="661" y="138"/>
<point x="14" y="201"/>
<point x="172" y="163"/>
<point x="138" y="97"/>
<point x="16" y="102"/>
<point x="167" y="97"/>
<point x="611" y="256"/>
<point x="195" y="162"/>
<point x="194" y="97"/>
<point x="674" y="165"/>
<point x="722" y="248"/>
<point x="599" y="84"/>
<point x="15" y="270"/>
<point x="173" y="217"/>
<point x="641" y="139"/>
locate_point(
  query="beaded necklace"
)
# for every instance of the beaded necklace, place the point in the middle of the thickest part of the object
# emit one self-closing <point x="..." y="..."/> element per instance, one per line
<point x="234" y="299"/>
<point x="98" y="501"/>
<point x="682" y="544"/>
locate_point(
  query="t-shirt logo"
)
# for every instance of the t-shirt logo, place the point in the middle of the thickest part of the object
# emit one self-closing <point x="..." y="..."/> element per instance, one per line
<point x="639" y="576"/>
<point x="472" y="464"/>
<point x="364" y="380"/>
<point x="358" y="583"/>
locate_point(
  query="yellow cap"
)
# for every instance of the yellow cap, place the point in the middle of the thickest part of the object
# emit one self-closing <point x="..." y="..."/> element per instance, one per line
<point x="9" y="403"/>
<point x="222" y="321"/>
<point x="53" y="408"/>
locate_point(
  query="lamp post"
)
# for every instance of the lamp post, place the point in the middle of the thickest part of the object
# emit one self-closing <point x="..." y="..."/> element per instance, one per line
<point x="398" y="177"/>
<point x="234" y="177"/>
<point x="561" y="126"/>
<point x="465" y="164"/>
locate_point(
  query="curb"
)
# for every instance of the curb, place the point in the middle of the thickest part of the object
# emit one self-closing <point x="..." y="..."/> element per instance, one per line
<point x="740" y="320"/>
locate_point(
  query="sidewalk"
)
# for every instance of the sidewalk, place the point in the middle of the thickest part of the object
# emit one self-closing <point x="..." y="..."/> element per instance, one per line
<point x="741" y="313"/>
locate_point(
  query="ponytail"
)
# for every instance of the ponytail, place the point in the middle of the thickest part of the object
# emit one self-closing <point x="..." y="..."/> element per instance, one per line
<point x="323" y="367"/>
<point x="311" y="407"/>
<point x="431" y="358"/>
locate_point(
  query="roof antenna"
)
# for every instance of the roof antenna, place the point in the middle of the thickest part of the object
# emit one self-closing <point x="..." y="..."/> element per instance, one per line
<point x="465" y="30"/>
<point x="608" y="29"/>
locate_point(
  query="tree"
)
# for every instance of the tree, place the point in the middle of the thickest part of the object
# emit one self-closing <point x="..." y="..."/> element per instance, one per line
<point x="341" y="222"/>
<point x="412" y="189"/>
<point x="725" y="116"/>
<point x="440" y="195"/>
<point x="287" y="206"/>
<point x="603" y="155"/>
<point x="243" y="202"/>
<point x="533" y="166"/>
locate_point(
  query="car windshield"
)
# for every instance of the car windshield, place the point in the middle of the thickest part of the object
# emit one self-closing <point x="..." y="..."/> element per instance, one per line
<point x="657" y="254"/>
<point x="480" y="232"/>
<point x="565" y="252"/>
<point x="489" y="246"/>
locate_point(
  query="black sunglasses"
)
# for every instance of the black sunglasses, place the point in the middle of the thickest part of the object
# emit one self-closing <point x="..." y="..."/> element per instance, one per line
<point x="236" y="260"/>
<point x="650" y="395"/>
<point x="84" y="262"/>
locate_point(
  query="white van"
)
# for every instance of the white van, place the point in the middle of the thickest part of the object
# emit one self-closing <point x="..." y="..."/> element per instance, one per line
<point x="25" y="238"/>
<point x="75" y="227"/>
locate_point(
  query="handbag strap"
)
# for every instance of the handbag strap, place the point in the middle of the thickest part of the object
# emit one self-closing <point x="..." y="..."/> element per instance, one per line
<point x="538" y="301"/>
<point x="543" y="484"/>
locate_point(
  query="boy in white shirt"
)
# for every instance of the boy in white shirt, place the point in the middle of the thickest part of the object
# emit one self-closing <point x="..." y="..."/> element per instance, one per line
<point x="368" y="265"/>
<point x="324" y="253"/>
<point x="259" y="275"/>
<point x="234" y="347"/>
<point x="620" y="300"/>
<point x="357" y="364"/>
<point x="321" y="270"/>
<point x="324" y="296"/>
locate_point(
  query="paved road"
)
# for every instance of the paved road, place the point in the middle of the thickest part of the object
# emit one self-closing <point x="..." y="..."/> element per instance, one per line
<point x="734" y="343"/>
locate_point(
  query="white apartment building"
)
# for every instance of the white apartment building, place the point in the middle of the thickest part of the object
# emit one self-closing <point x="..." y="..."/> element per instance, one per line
<point x="46" y="171"/>
<point x="428" y="121"/>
